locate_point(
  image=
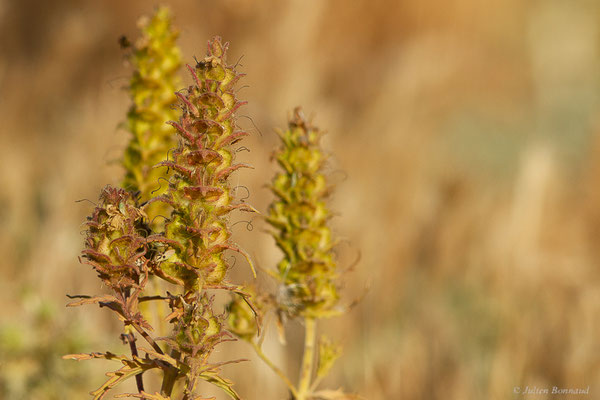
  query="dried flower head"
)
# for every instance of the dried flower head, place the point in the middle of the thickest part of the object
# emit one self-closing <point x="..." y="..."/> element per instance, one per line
<point x="115" y="247"/>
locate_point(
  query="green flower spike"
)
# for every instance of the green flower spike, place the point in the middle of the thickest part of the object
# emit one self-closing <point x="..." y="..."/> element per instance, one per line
<point x="197" y="231"/>
<point x="307" y="272"/>
<point x="156" y="59"/>
<point x="200" y="193"/>
<point x="300" y="215"/>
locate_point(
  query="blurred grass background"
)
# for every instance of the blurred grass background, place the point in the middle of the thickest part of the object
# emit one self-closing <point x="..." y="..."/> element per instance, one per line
<point x="466" y="137"/>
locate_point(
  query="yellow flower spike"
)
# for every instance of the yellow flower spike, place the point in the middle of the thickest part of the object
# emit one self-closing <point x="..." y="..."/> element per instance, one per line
<point x="156" y="60"/>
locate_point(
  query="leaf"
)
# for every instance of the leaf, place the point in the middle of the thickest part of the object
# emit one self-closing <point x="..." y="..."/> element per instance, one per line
<point x="329" y="352"/>
<point x="115" y="378"/>
<point x="91" y="300"/>
<point x="224" y="384"/>
<point x="244" y="207"/>
<point x="163" y="357"/>
<point x="131" y="368"/>
<point x="144" y="395"/>
<point x="88" y="356"/>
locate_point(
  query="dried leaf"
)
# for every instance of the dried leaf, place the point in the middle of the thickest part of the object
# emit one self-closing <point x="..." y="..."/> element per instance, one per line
<point x="224" y="384"/>
<point x="91" y="300"/>
<point x="144" y="395"/>
<point x="163" y="357"/>
<point x="115" y="378"/>
<point x="88" y="356"/>
<point x="131" y="367"/>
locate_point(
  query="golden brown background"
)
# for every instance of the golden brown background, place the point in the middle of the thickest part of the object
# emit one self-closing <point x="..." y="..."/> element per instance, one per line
<point x="466" y="137"/>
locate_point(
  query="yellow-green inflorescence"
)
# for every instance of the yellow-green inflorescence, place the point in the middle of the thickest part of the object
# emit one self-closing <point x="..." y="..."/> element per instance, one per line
<point x="300" y="217"/>
<point x="200" y="193"/>
<point x="156" y="60"/>
<point x="307" y="272"/>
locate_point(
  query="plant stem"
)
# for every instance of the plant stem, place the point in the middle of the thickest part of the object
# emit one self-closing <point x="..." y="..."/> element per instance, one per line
<point x="147" y="337"/>
<point x="275" y="369"/>
<point x="307" y="359"/>
<point x="170" y="377"/>
<point x="139" y="380"/>
<point x="130" y="337"/>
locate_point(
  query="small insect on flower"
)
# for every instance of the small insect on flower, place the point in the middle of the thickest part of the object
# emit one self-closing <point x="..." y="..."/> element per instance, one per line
<point x="122" y="207"/>
<point x="288" y="298"/>
<point x="164" y="256"/>
<point x="124" y="42"/>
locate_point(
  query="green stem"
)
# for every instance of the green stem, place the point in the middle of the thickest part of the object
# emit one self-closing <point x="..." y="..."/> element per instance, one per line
<point x="170" y="377"/>
<point x="307" y="359"/>
<point x="275" y="369"/>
